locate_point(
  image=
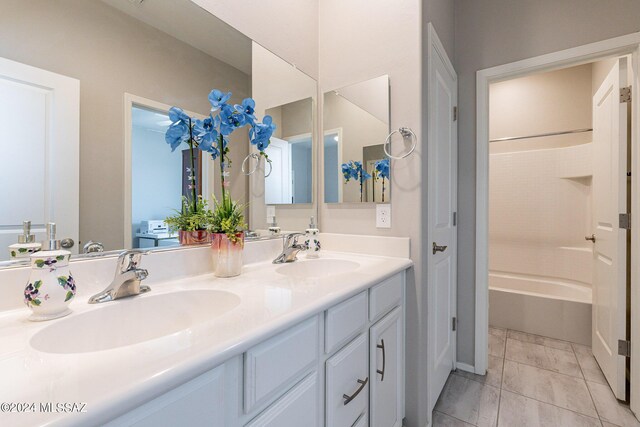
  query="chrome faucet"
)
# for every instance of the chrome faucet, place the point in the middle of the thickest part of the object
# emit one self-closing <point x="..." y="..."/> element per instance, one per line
<point x="126" y="281"/>
<point x="290" y="248"/>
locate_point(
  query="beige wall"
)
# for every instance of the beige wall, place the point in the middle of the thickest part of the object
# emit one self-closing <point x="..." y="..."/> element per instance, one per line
<point x="289" y="28"/>
<point x="541" y="103"/>
<point x="111" y="53"/>
<point x="494" y="32"/>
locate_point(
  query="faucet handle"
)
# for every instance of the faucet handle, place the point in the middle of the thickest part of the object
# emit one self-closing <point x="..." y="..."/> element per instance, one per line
<point x="290" y="238"/>
<point x="130" y="259"/>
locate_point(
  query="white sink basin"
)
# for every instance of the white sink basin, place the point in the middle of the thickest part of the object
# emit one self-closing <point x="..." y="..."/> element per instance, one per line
<point x="317" y="268"/>
<point x="133" y="320"/>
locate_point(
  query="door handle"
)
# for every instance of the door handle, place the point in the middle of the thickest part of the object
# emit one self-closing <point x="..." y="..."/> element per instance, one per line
<point x="592" y="238"/>
<point x="437" y="248"/>
<point x="348" y="399"/>
<point x="384" y="360"/>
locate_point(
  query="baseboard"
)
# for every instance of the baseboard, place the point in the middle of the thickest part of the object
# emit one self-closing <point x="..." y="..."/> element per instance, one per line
<point x="465" y="367"/>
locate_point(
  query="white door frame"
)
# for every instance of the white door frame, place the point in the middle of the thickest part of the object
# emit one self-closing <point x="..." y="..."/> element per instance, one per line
<point x="131" y="101"/>
<point x="624" y="45"/>
<point x="337" y="131"/>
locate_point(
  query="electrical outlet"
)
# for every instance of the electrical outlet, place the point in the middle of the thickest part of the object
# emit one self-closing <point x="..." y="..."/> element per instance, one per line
<point x="383" y="215"/>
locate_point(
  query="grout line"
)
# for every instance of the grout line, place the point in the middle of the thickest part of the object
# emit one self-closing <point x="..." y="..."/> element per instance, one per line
<point x="541" y="336"/>
<point x="548" y="370"/>
<point x="504" y="358"/>
<point x="554" y="405"/>
<point x="451" y="416"/>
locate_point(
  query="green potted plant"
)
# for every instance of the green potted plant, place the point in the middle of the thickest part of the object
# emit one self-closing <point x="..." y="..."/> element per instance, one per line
<point x="226" y="223"/>
<point x="191" y="222"/>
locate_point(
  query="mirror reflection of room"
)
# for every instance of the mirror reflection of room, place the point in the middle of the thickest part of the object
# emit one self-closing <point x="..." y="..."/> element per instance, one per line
<point x="287" y="179"/>
<point x="356" y="126"/>
<point x="121" y="179"/>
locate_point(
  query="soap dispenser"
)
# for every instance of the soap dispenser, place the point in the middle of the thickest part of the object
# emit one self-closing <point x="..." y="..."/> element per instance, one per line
<point x="26" y="243"/>
<point x="51" y="287"/>
<point x="273" y="227"/>
<point x="311" y="241"/>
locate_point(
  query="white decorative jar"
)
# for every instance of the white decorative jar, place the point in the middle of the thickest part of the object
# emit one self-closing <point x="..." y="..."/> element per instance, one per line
<point x="51" y="286"/>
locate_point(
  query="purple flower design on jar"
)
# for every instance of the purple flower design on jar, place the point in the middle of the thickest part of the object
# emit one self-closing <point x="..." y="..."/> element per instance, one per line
<point x="69" y="284"/>
<point x="32" y="293"/>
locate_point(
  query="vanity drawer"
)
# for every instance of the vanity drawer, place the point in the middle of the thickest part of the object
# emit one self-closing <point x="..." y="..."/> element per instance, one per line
<point x="272" y="367"/>
<point x="345" y="321"/>
<point x="299" y="407"/>
<point x="347" y="375"/>
<point x="385" y="296"/>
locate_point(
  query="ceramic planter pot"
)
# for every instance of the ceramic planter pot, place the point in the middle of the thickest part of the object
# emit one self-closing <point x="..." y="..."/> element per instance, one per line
<point x="197" y="237"/>
<point x="226" y="254"/>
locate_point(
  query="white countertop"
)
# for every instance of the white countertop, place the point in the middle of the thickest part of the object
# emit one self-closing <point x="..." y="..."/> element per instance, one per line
<point x="115" y="381"/>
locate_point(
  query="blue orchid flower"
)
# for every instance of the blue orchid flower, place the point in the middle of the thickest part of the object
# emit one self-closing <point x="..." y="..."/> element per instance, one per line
<point x="230" y="120"/>
<point x="261" y="133"/>
<point x="177" y="115"/>
<point x="204" y="131"/>
<point x="177" y="134"/>
<point x="218" y="99"/>
<point x="382" y="168"/>
<point x="248" y="109"/>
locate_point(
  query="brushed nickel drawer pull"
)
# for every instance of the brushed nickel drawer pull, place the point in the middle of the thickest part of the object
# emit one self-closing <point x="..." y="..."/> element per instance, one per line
<point x="384" y="360"/>
<point x="592" y="238"/>
<point x="348" y="399"/>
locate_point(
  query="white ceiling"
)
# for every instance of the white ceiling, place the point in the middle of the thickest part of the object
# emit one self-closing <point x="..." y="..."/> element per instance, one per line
<point x="193" y="25"/>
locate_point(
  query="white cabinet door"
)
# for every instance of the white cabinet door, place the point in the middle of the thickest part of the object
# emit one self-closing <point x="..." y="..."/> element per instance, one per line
<point x="299" y="407"/>
<point x="386" y="348"/>
<point x="208" y="400"/>
<point x="347" y="392"/>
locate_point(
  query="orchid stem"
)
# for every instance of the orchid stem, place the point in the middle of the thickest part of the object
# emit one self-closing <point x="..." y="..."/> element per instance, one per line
<point x="193" y="170"/>
<point x="221" y="146"/>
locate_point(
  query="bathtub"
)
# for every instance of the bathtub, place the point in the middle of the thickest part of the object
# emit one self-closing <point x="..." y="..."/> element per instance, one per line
<point x="550" y="307"/>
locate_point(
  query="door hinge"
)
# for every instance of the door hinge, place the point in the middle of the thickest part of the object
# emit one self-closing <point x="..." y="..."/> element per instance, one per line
<point x="625" y="221"/>
<point x="624" y="348"/>
<point x="455" y="113"/>
<point x="455" y="219"/>
<point x="454" y="323"/>
<point x="625" y="94"/>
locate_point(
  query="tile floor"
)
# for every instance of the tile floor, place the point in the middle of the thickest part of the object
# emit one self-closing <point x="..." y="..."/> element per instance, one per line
<point x="531" y="381"/>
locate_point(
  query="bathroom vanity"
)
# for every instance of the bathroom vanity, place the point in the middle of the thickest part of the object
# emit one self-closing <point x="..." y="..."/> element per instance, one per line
<point x="315" y="343"/>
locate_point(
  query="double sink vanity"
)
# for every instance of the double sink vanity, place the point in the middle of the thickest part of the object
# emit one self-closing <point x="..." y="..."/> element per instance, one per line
<point x="314" y="342"/>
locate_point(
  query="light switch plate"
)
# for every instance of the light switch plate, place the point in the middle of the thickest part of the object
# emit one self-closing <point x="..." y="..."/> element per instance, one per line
<point x="383" y="215"/>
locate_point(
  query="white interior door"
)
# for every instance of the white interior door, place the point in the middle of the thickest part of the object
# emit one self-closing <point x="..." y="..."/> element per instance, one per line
<point x="278" y="185"/>
<point x="609" y="200"/>
<point x="442" y="201"/>
<point x="39" y="165"/>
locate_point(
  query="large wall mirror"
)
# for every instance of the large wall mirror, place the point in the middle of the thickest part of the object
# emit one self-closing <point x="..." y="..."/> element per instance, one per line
<point x="85" y="92"/>
<point x="356" y="126"/>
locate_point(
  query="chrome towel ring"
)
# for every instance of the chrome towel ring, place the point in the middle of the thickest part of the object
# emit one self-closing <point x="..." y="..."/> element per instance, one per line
<point x="244" y="164"/>
<point x="255" y="156"/>
<point x="406" y="133"/>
